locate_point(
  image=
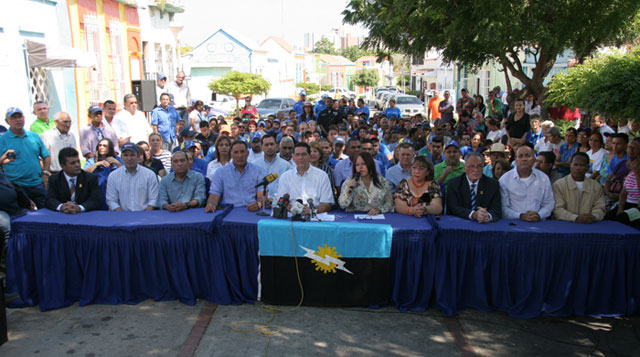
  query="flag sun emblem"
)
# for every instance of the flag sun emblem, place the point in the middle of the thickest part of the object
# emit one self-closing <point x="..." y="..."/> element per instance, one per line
<point x="326" y="259"/>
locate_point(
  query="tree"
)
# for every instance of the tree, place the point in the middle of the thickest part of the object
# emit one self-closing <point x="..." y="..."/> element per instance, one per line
<point x="473" y="33"/>
<point x="325" y="46"/>
<point x="607" y="84"/>
<point x="355" y="52"/>
<point x="366" y="78"/>
<point x="310" y="88"/>
<point x="403" y="80"/>
<point x="237" y="84"/>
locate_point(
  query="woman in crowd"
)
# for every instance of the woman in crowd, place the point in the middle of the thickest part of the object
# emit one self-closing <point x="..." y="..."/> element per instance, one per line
<point x="500" y="168"/>
<point x="196" y="116"/>
<point x="476" y="145"/>
<point x="307" y="113"/>
<point x="249" y="109"/>
<point x="597" y="155"/>
<point x="146" y="159"/>
<point x="103" y="162"/>
<point x="480" y="107"/>
<point x="420" y="194"/>
<point x="155" y="142"/>
<point x="223" y="155"/>
<point x="583" y="140"/>
<point x="630" y="195"/>
<point x="518" y="124"/>
<point x="366" y="191"/>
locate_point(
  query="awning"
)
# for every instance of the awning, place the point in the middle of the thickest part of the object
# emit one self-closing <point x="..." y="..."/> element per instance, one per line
<point x="40" y="55"/>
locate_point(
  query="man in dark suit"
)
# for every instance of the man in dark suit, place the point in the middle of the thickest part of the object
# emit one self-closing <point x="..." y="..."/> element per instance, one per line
<point x="473" y="195"/>
<point x="73" y="190"/>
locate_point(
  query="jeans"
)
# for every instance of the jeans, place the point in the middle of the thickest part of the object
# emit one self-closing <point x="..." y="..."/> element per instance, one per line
<point x="37" y="194"/>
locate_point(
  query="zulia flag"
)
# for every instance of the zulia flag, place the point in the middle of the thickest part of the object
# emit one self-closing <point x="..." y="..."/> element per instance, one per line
<point x="341" y="264"/>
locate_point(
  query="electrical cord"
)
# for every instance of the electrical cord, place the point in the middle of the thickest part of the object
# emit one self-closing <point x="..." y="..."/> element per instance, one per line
<point x="266" y="328"/>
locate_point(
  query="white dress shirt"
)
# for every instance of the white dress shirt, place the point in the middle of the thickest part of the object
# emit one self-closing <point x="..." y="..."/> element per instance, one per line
<point x="519" y="195"/>
<point x="181" y="94"/>
<point x="68" y="178"/>
<point x="55" y="141"/>
<point x="135" y="126"/>
<point x="132" y="192"/>
<point x="313" y="184"/>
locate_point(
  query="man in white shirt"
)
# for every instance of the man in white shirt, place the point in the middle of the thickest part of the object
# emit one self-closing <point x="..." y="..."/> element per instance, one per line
<point x="131" y="124"/>
<point x="526" y="192"/>
<point x="59" y="138"/>
<point x="181" y="95"/>
<point x="306" y="182"/>
<point x="132" y="187"/>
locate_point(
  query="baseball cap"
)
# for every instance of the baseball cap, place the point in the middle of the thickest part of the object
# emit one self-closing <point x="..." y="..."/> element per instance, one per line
<point x="95" y="109"/>
<point x="187" y="132"/>
<point x="338" y="140"/>
<point x="13" y="110"/>
<point x="261" y="123"/>
<point x="162" y="76"/>
<point x="303" y="92"/>
<point x="452" y="143"/>
<point x="129" y="146"/>
<point x="225" y="127"/>
<point x="276" y="121"/>
<point x="256" y="135"/>
<point x="188" y="144"/>
<point x="325" y="96"/>
<point x="464" y="90"/>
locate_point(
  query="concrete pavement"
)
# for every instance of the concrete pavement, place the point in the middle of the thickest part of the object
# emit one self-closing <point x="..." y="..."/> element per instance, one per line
<point x="167" y="329"/>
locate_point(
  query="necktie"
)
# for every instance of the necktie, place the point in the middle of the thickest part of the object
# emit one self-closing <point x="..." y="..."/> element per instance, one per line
<point x="100" y="135"/>
<point x="72" y="188"/>
<point x="473" y="196"/>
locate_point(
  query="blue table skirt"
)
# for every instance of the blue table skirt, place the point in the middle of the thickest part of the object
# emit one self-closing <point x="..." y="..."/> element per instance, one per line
<point x="412" y="265"/>
<point x="56" y="259"/>
<point x="529" y="269"/>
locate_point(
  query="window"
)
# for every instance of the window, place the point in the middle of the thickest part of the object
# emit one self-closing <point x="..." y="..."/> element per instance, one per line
<point x="98" y="92"/>
<point x="117" y="59"/>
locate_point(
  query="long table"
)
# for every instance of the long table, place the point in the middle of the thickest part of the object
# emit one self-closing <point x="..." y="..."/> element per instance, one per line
<point x="529" y="269"/>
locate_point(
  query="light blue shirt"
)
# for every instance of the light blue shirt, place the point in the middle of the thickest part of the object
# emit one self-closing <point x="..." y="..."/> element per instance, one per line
<point x="132" y="191"/>
<point x="174" y="190"/>
<point x="488" y="170"/>
<point x="234" y="187"/>
<point x="395" y="174"/>
<point x="166" y="120"/>
<point x="278" y="166"/>
<point x="521" y="195"/>
<point x="395" y="112"/>
<point x="29" y="148"/>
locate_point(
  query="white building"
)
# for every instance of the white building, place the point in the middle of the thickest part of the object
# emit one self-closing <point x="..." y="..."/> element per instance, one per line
<point x="280" y="68"/>
<point x="430" y="73"/>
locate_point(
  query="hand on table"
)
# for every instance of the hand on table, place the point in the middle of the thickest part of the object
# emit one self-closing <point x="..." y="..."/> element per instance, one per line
<point x="585" y="218"/>
<point x="530" y="216"/>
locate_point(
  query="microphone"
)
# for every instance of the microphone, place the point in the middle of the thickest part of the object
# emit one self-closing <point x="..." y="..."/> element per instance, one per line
<point x="268" y="179"/>
<point x="280" y="211"/>
<point x="296" y="209"/>
<point x="284" y="200"/>
<point x="312" y="208"/>
<point x="356" y="177"/>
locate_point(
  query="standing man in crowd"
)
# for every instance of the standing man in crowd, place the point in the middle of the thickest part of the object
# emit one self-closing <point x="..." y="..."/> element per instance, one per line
<point x="161" y="87"/>
<point x="130" y="123"/>
<point x="95" y="131"/>
<point x="132" y="187"/>
<point x="109" y="112"/>
<point x="42" y="122"/>
<point x="299" y="104"/>
<point x="465" y="103"/>
<point x="235" y="183"/>
<point x="473" y="195"/>
<point x="433" y="111"/>
<point x="25" y="172"/>
<point x="182" y="188"/>
<point x="526" y="192"/>
<point x="446" y="109"/>
<point x="181" y="95"/>
<point x="73" y="190"/>
<point x="164" y="120"/>
<point x="452" y="166"/>
<point x="58" y="138"/>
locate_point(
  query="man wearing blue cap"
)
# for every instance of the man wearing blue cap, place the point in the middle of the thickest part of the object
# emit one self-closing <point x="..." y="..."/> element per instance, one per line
<point x="28" y="149"/>
<point x="320" y="105"/>
<point x="161" y="87"/>
<point x="95" y="131"/>
<point x="452" y="166"/>
<point x="256" y="148"/>
<point x="132" y="187"/>
<point x="299" y="104"/>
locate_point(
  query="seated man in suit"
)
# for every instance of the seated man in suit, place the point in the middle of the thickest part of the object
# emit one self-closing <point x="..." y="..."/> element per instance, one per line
<point x="578" y="198"/>
<point x="73" y="190"/>
<point x="473" y="195"/>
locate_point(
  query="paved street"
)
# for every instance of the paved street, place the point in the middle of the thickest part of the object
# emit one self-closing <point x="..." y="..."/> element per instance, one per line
<point x="171" y="328"/>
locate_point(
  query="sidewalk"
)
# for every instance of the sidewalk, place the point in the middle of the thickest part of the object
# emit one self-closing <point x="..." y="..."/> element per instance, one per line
<point x="166" y="329"/>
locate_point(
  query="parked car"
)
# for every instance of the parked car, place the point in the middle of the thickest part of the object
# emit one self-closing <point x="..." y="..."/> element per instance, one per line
<point x="384" y="99"/>
<point x="378" y="99"/>
<point x="409" y="105"/>
<point x="225" y="103"/>
<point x="270" y="106"/>
<point x="339" y="92"/>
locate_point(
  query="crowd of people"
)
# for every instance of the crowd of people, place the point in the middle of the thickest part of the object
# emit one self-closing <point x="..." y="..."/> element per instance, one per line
<point x="478" y="160"/>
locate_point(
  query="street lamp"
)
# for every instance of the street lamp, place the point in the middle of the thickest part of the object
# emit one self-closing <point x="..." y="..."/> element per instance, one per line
<point x="176" y="28"/>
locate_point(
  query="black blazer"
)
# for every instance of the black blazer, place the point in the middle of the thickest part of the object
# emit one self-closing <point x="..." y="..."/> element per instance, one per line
<point x="88" y="192"/>
<point x="459" y="197"/>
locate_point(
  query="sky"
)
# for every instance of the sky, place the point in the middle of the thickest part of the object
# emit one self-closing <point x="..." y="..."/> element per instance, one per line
<point x="258" y="19"/>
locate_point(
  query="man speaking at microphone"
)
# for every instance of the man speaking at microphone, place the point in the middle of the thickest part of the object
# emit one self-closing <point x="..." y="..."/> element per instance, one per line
<point x="306" y="182"/>
<point x="237" y="183"/>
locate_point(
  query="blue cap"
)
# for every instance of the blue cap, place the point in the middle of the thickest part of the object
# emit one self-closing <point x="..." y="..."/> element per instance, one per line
<point x="13" y="110"/>
<point x="276" y="121"/>
<point x="452" y="143"/>
<point x="303" y="92"/>
<point x="187" y="132"/>
<point x="338" y="140"/>
<point x="325" y="96"/>
<point x="256" y="135"/>
<point x="188" y="144"/>
<point x="129" y="146"/>
<point x="464" y="90"/>
<point x="162" y="76"/>
<point x="262" y="123"/>
<point x="95" y="109"/>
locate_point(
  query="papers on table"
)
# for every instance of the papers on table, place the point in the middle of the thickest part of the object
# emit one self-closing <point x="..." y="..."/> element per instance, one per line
<point x="366" y="216"/>
<point x="324" y="217"/>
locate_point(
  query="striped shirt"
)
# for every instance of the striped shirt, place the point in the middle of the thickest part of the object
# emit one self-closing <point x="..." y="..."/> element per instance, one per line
<point x="631" y="185"/>
<point x="132" y="192"/>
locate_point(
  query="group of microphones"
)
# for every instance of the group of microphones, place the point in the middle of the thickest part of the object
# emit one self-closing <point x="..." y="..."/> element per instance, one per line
<point x="281" y="209"/>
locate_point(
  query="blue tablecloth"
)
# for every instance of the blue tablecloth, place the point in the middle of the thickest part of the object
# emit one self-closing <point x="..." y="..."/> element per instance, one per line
<point x="56" y="259"/>
<point x="411" y="270"/>
<point x="529" y="269"/>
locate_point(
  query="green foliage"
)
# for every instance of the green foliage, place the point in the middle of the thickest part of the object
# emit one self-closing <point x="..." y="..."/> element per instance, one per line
<point x="325" y="46"/>
<point x="608" y="84"/>
<point x="238" y="84"/>
<point x="472" y="33"/>
<point x="366" y="78"/>
<point x="311" y="88"/>
<point x="407" y="80"/>
<point x="355" y="52"/>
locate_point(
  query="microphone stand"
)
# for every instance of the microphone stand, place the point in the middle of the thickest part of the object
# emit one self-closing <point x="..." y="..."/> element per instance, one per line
<point x="264" y="199"/>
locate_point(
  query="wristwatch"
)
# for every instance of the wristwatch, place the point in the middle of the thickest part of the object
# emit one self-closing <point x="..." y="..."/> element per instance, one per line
<point x="45" y="172"/>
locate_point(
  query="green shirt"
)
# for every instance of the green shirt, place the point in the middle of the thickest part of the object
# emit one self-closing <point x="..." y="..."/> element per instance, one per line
<point x="40" y="127"/>
<point x="497" y="105"/>
<point x="439" y="169"/>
